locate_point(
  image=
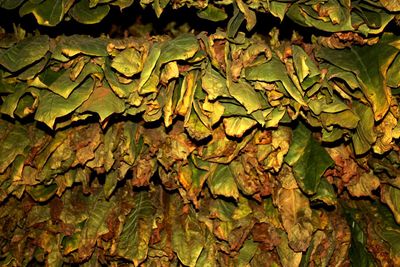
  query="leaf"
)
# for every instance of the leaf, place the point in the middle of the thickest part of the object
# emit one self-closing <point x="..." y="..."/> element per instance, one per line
<point x="325" y="193"/>
<point x="10" y="4"/>
<point x="96" y="224"/>
<point x="103" y="102"/>
<point x="364" y="185"/>
<point x="10" y="102"/>
<point x="47" y="12"/>
<point x="122" y="3"/>
<point x="358" y="252"/>
<point x="128" y="62"/>
<point x="365" y="134"/>
<point x="148" y="68"/>
<point x="182" y="47"/>
<point x="391" y="196"/>
<point x="64" y="85"/>
<point x="214" y="84"/>
<point x="82" y="44"/>
<point x="42" y="193"/>
<point x="287" y="256"/>
<point x="13" y="141"/>
<point x="52" y="106"/>
<point x="247" y="252"/>
<point x="296" y="217"/>
<point x="196" y="128"/>
<point x="278" y="9"/>
<point x="133" y="242"/>
<point x="83" y="13"/>
<point x="249" y="15"/>
<point x="272" y="71"/>
<point x="308" y="159"/>
<point x="187" y="233"/>
<point x="237" y="126"/>
<point x="369" y="64"/>
<point x="25" y="53"/>
<point x="234" y="22"/>
<point x="212" y="13"/>
<point x="221" y="181"/>
<point x="305" y="67"/>
<point x="247" y="96"/>
<point x="331" y="16"/>
<point x="391" y="5"/>
<point x="122" y="90"/>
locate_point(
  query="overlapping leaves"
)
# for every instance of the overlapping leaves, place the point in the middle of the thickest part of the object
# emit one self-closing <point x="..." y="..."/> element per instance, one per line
<point x="367" y="17"/>
<point x="211" y="149"/>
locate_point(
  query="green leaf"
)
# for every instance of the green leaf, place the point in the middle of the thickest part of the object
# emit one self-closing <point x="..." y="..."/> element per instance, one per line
<point x="96" y="223"/>
<point x="82" y="44"/>
<point x="85" y="14"/>
<point x="221" y="181"/>
<point x="187" y="233"/>
<point x="304" y="66"/>
<point x="272" y="71"/>
<point x="214" y="84"/>
<point x="247" y="96"/>
<point x="247" y="252"/>
<point x="333" y="16"/>
<point x="128" y="62"/>
<point x="103" y="102"/>
<point x="25" y="53"/>
<point x="122" y="90"/>
<point x="235" y="22"/>
<point x="212" y="13"/>
<point x="182" y="47"/>
<point x="13" y="141"/>
<point x="369" y="64"/>
<point x="249" y="15"/>
<point x="50" y="12"/>
<point x="391" y="196"/>
<point x="10" y="102"/>
<point x="10" y="4"/>
<point x="64" y="85"/>
<point x="53" y="106"/>
<point x="122" y="3"/>
<point x="365" y="134"/>
<point x="325" y="193"/>
<point x="133" y="242"/>
<point x="196" y="127"/>
<point x="308" y="159"/>
<point x="148" y="68"/>
<point x="358" y="253"/>
<point x="393" y="74"/>
<point x="278" y="9"/>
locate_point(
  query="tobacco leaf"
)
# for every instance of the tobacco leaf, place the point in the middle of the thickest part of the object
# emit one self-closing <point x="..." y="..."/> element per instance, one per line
<point x="296" y="217"/>
<point x="221" y="181"/>
<point x="52" y="106"/>
<point x="47" y="12"/>
<point x="25" y="53"/>
<point x="85" y="13"/>
<point x="371" y="70"/>
<point x="274" y="71"/>
<point x="103" y="102"/>
<point x="308" y="159"/>
<point x="132" y="244"/>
